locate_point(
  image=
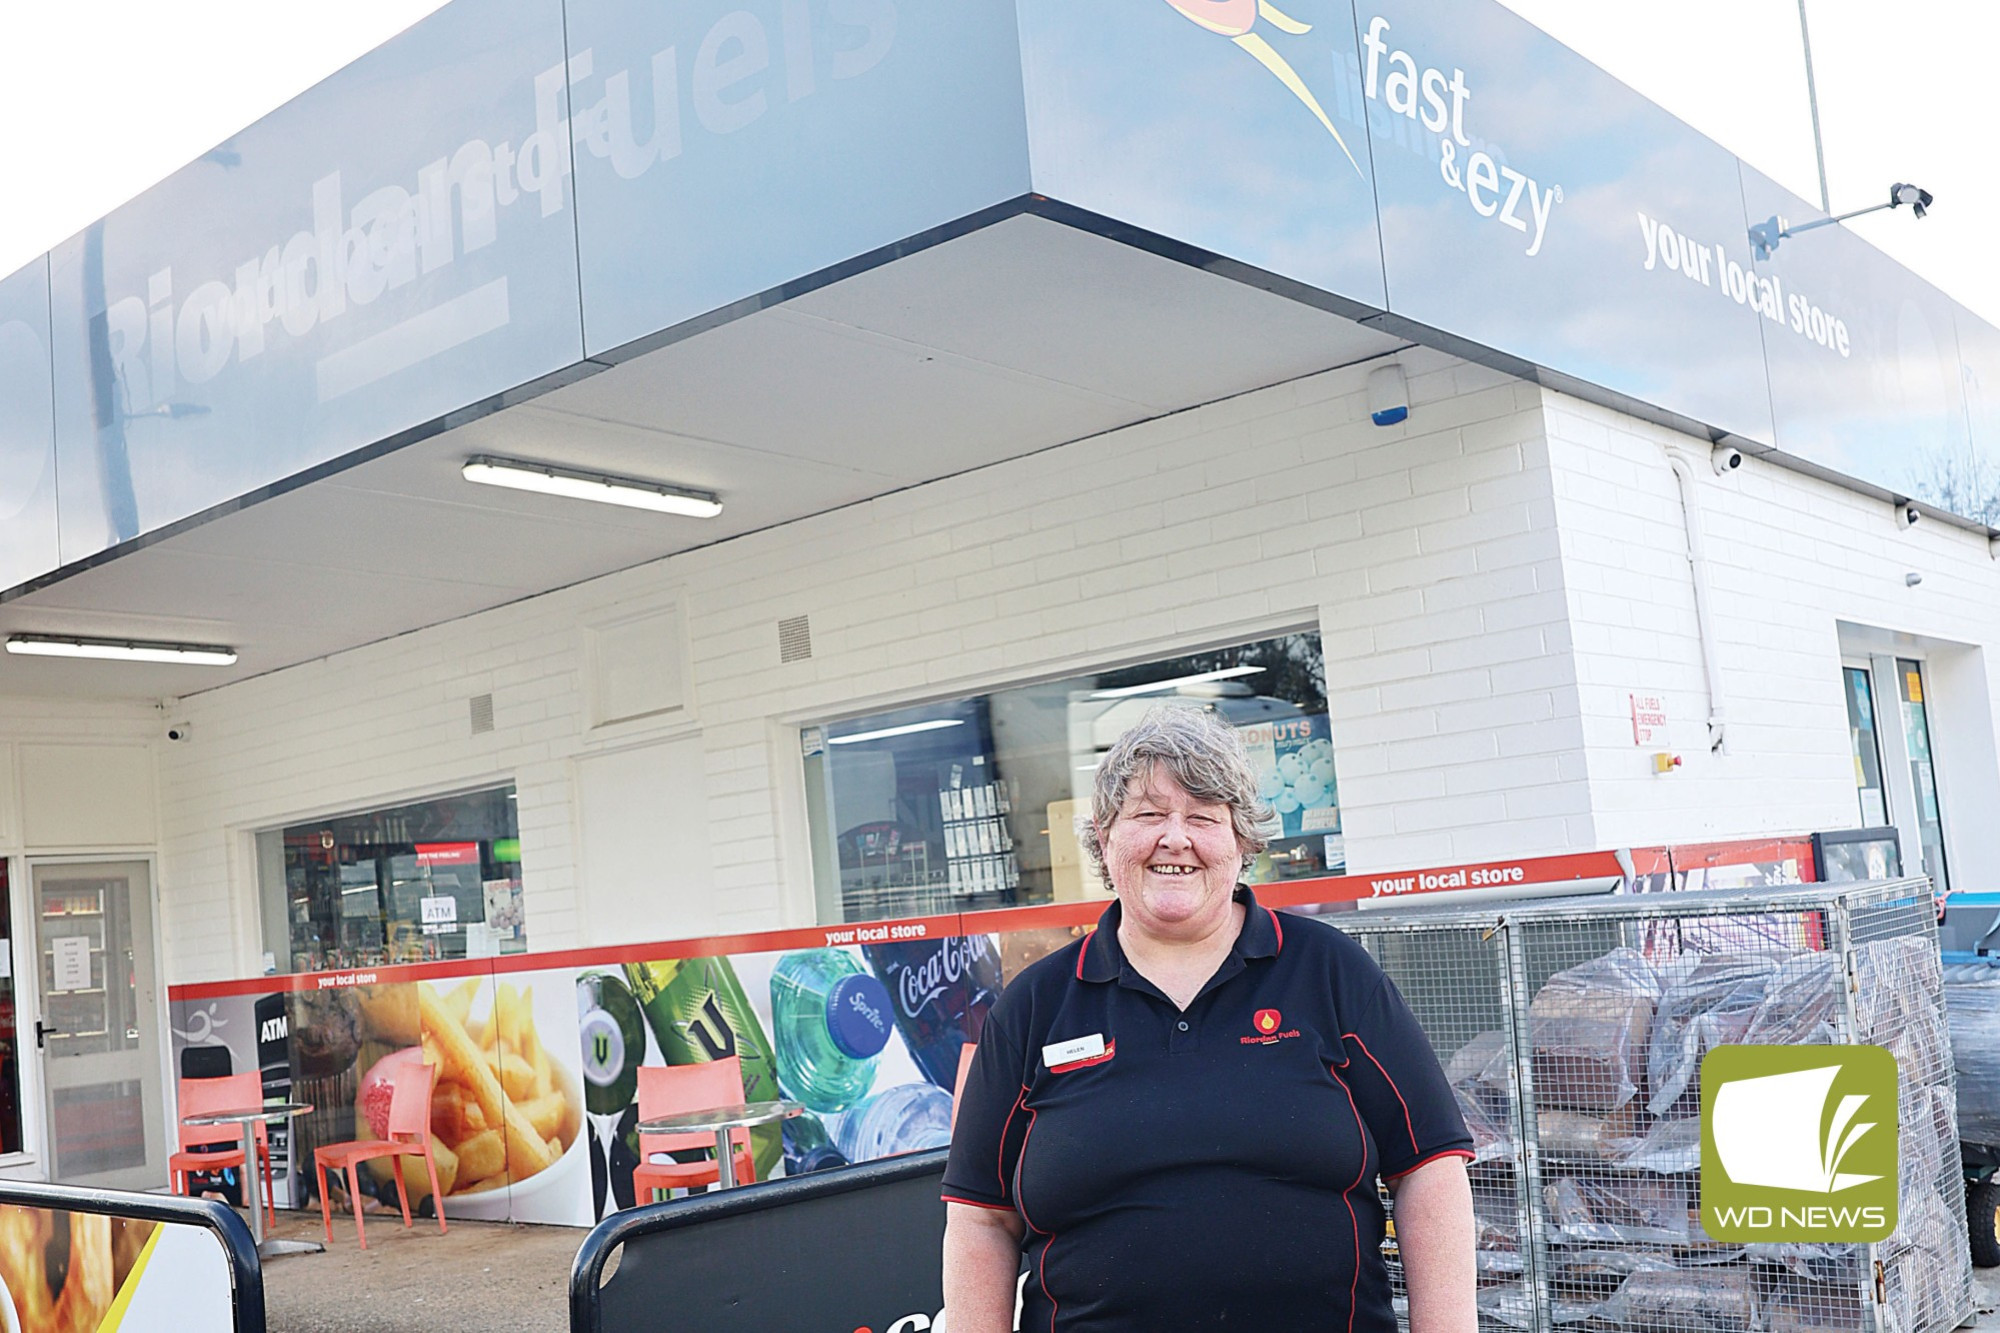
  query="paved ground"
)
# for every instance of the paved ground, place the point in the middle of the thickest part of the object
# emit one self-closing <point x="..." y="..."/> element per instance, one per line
<point x="479" y="1275"/>
<point x="1986" y="1300"/>
<point x="495" y="1275"/>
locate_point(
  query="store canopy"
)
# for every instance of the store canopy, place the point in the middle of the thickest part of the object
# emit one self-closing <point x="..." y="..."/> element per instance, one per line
<point x="803" y="254"/>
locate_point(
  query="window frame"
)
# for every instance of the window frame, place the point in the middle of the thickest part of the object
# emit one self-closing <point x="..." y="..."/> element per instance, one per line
<point x="1892" y="738"/>
<point x="820" y="892"/>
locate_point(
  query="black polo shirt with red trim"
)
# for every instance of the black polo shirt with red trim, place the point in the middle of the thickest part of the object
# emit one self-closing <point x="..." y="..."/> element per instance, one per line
<point x="1207" y="1169"/>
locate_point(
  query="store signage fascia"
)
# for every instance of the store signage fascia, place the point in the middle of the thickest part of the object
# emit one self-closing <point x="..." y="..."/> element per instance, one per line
<point x="1442" y="170"/>
<point x="27" y="429"/>
<point x="391" y="246"/>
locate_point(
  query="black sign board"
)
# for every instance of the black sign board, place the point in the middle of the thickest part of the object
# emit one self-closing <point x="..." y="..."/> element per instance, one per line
<point x="840" y="1251"/>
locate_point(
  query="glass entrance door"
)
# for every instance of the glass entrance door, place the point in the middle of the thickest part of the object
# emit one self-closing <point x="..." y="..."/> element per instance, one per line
<point x="99" y="1032"/>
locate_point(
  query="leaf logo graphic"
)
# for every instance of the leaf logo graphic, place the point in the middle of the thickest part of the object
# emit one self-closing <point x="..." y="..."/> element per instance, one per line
<point x="1767" y="1131"/>
<point x="1799" y="1143"/>
<point x="1237" y="20"/>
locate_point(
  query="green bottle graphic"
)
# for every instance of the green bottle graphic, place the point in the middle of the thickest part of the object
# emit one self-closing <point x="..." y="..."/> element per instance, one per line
<point x="613" y="1043"/>
<point x="698" y="1011"/>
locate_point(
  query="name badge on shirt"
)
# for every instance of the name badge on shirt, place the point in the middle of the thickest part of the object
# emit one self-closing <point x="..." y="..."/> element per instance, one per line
<point x="1057" y="1055"/>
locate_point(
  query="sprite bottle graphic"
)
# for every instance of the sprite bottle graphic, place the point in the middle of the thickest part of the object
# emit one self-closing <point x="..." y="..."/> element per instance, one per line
<point x="697" y="1010"/>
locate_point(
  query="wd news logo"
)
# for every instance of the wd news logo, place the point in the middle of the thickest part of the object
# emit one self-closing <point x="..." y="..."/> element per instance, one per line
<point x="1798" y="1143"/>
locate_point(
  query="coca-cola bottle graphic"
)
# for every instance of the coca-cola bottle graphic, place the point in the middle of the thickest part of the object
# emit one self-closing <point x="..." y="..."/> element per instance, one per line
<point x="942" y="991"/>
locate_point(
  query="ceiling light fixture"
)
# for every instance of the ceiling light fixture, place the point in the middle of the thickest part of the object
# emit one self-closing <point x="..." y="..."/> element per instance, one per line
<point x="120" y="650"/>
<point x="631" y="492"/>
<point x="1161" y="686"/>
<point x="910" y="729"/>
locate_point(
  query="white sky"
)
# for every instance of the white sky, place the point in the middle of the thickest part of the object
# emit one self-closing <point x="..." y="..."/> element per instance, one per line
<point x="140" y="87"/>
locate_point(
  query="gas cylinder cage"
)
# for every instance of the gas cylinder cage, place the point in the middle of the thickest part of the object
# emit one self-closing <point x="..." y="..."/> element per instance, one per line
<point x="1572" y="1032"/>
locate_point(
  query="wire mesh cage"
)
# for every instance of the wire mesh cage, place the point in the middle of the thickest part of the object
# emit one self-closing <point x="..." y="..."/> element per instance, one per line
<point x="1453" y="972"/>
<point x="1573" y="1033"/>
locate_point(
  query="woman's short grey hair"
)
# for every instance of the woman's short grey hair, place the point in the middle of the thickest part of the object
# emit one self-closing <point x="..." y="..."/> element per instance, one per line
<point x="1196" y="749"/>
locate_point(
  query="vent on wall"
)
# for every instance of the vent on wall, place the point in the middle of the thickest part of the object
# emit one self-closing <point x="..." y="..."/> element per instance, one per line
<point x="795" y="640"/>
<point x="482" y="714"/>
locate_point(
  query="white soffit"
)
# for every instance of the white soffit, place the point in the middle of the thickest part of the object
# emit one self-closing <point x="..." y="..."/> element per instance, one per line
<point x="1022" y="336"/>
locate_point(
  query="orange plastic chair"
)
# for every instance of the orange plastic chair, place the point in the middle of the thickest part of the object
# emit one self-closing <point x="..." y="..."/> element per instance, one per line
<point x="965" y="1054"/>
<point x="411" y="1081"/>
<point x="232" y="1092"/>
<point x="671" y="1089"/>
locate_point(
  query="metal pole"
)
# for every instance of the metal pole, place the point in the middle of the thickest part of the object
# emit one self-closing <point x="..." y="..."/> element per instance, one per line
<point x="1812" y="100"/>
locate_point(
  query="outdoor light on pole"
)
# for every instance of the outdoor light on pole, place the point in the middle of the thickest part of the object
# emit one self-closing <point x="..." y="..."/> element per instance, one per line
<point x="1765" y="236"/>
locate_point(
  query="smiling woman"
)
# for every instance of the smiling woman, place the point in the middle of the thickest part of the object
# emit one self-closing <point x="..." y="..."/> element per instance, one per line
<point x="1181" y="1119"/>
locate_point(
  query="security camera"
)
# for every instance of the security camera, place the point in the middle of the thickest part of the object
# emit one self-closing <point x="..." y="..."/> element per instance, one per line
<point x="1908" y="515"/>
<point x="1725" y="460"/>
<point x="179" y="731"/>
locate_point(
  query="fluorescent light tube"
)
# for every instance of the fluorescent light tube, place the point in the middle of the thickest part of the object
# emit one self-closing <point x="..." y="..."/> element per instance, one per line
<point x="120" y="650"/>
<point x="627" y="491"/>
<point x="936" y="724"/>
<point x="1161" y="686"/>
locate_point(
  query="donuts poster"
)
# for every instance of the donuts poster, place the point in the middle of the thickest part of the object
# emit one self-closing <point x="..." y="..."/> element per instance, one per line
<point x="1293" y="760"/>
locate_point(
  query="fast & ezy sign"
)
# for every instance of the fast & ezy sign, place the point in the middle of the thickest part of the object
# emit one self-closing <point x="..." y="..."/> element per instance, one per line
<point x="1492" y="189"/>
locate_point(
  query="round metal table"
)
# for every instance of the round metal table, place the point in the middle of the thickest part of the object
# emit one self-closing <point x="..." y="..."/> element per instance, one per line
<point x="722" y="1119"/>
<point x="248" y="1117"/>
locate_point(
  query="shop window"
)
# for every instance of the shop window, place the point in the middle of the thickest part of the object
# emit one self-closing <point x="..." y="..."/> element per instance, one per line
<point x="1923" y="773"/>
<point x="433" y="880"/>
<point x="1867" y="748"/>
<point x="1895" y="776"/>
<point x="971" y="803"/>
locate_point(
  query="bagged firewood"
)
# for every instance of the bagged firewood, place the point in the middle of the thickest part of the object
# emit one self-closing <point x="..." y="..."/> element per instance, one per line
<point x="1480" y="1077"/>
<point x="1604" y="1267"/>
<point x="1623" y="1210"/>
<point x="1711" y="1004"/>
<point x="1574" y="1135"/>
<point x="1897" y="983"/>
<point x="1699" y="1300"/>
<point x="1667" y="1147"/>
<point x="1589" y="1026"/>
<point x="1801" y="1002"/>
<point x="1802" y="1309"/>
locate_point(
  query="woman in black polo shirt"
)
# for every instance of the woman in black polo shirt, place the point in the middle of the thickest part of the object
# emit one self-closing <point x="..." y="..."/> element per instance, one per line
<point x="1180" y="1118"/>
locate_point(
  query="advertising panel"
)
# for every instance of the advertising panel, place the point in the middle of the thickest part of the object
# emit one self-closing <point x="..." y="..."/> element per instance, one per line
<point x="1863" y="354"/>
<point x="63" y="1272"/>
<point x="535" y="1108"/>
<point x="865" y="1036"/>
<point x="391" y="245"/>
<point x="1535" y="205"/>
<point x="1225" y="124"/>
<point x="231" y="1034"/>
<point x="723" y="149"/>
<point x="27" y="429"/>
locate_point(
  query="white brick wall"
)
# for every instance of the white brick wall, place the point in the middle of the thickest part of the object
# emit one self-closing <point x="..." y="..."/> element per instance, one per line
<point x="1789" y="557"/>
<point x="1427" y="553"/>
<point x="61" y="721"/>
<point x="1492" y="580"/>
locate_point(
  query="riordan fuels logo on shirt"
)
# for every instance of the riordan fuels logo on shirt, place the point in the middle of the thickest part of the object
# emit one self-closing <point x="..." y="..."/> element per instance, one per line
<point x="1268" y="1023"/>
